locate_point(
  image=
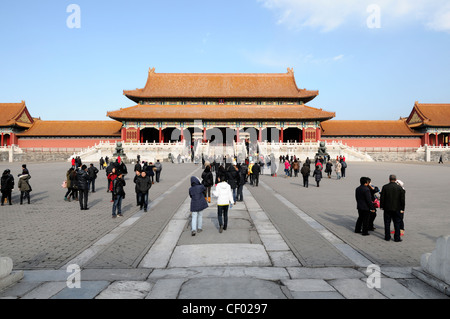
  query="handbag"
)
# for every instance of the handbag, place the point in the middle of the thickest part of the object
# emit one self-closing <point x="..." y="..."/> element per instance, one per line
<point x="376" y="203"/>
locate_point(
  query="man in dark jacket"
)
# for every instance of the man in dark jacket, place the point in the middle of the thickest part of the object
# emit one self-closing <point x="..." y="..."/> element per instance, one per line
<point x="143" y="185"/>
<point x="7" y="185"/>
<point x="305" y="171"/>
<point x="207" y="181"/>
<point x="118" y="194"/>
<point x="198" y="204"/>
<point x="392" y="201"/>
<point x="83" y="188"/>
<point x="232" y="178"/>
<point x="256" y="170"/>
<point x="364" y="205"/>
<point x="92" y="171"/>
<point x="243" y="173"/>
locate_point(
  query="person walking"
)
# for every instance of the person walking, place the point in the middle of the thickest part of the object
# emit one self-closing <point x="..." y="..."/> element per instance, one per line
<point x="7" y="185"/>
<point x="317" y="174"/>
<point x="158" y="170"/>
<point x="92" y="171"/>
<point x="224" y="199"/>
<point x="111" y="177"/>
<point x="24" y="186"/>
<point x="69" y="192"/>
<point x="287" y="166"/>
<point x="118" y="192"/>
<point x="338" y="169"/>
<point x="305" y="171"/>
<point x="328" y="168"/>
<point x="207" y="181"/>
<point x="296" y="167"/>
<point x="364" y="205"/>
<point x="373" y="197"/>
<point x="83" y="188"/>
<point x="440" y="160"/>
<point x="243" y="171"/>
<point x="101" y="163"/>
<point x="256" y="170"/>
<point x="343" y="167"/>
<point x="392" y="201"/>
<point x="198" y="204"/>
<point x="143" y="185"/>
<point x="232" y="179"/>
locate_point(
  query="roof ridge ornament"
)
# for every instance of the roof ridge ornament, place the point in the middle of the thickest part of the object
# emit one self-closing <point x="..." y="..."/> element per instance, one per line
<point x="151" y="70"/>
<point x="290" y="71"/>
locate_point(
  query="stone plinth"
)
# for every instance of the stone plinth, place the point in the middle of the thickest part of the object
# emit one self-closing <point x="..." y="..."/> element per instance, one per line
<point x="435" y="266"/>
<point x="7" y="278"/>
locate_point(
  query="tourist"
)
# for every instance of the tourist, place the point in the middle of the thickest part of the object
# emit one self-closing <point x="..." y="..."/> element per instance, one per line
<point x="111" y="177"/>
<point x="73" y="162"/>
<point x="143" y="185"/>
<point x="158" y="170"/>
<point x="287" y="166"/>
<point x="296" y="167"/>
<point x="224" y="199"/>
<point x="101" y="162"/>
<point x="317" y="174"/>
<point x="392" y="201"/>
<point x="92" y="171"/>
<point x="150" y="170"/>
<point x="337" y="169"/>
<point x="198" y="204"/>
<point x="7" y="185"/>
<point x="273" y="166"/>
<point x="108" y="171"/>
<point x="118" y="194"/>
<point x="232" y="178"/>
<point x="343" y="167"/>
<point x="69" y="185"/>
<point x="364" y="205"/>
<point x="25" y="170"/>
<point x="207" y="181"/>
<point x="440" y="160"/>
<point x="305" y="171"/>
<point x="373" y="196"/>
<point x="24" y="186"/>
<point x="328" y="168"/>
<point x="83" y="188"/>
<point x="250" y="172"/>
<point x="402" y="215"/>
<point x="256" y="170"/>
<point x="243" y="173"/>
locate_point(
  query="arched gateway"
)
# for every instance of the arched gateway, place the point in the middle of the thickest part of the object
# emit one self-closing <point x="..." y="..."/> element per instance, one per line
<point x="221" y="107"/>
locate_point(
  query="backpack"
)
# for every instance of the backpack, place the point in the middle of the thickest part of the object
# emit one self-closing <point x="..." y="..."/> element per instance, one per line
<point x="344" y="164"/>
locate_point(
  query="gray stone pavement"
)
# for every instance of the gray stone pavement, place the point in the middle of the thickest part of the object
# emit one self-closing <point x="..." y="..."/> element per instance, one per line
<point x="283" y="241"/>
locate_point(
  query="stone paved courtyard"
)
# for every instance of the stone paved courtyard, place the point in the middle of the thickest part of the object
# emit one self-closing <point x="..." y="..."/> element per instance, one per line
<point x="284" y="227"/>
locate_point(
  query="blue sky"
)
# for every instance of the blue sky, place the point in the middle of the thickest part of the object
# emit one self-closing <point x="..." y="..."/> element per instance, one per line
<point x="362" y="72"/>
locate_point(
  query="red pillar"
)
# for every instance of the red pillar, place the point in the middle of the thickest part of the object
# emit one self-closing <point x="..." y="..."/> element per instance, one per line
<point x="138" y="134"/>
<point x="281" y="135"/>
<point x="182" y="137"/>
<point x="204" y="135"/>
<point x="124" y="134"/>
<point x="427" y="139"/>
<point x="237" y="135"/>
<point x="160" y="135"/>
<point x="436" y="139"/>
<point x="318" y="134"/>
<point x="2" y="140"/>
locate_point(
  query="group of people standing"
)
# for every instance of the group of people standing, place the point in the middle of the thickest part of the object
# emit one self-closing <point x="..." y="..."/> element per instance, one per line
<point x="23" y="184"/>
<point x="391" y="201"/>
<point x="80" y="180"/>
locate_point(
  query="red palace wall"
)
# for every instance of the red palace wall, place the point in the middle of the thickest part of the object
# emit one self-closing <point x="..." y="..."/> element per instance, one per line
<point x="377" y="142"/>
<point x="62" y="142"/>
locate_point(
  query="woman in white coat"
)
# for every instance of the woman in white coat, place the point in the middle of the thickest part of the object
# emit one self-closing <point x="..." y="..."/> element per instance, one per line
<point x="224" y="199"/>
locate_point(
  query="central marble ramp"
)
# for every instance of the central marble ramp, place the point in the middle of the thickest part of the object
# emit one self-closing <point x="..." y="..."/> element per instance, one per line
<point x="219" y="255"/>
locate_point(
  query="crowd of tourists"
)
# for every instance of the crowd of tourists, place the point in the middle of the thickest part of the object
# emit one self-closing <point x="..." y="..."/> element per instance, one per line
<point x="23" y="184"/>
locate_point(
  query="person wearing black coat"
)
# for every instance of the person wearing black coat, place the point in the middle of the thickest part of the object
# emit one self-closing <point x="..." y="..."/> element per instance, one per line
<point x="305" y="171"/>
<point x="207" y="181"/>
<point x="143" y="185"/>
<point x="364" y="205"/>
<point x="118" y="192"/>
<point x="83" y="188"/>
<point x="243" y="173"/>
<point x="318" y="175"/>
<point x="92" y="171"/>
<point x="232" y="178"/>
<point x="7" y="184"/>
<point x="198" y="204"/>
<point x="256" y="170"/>
<point x="392" y="201"/>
